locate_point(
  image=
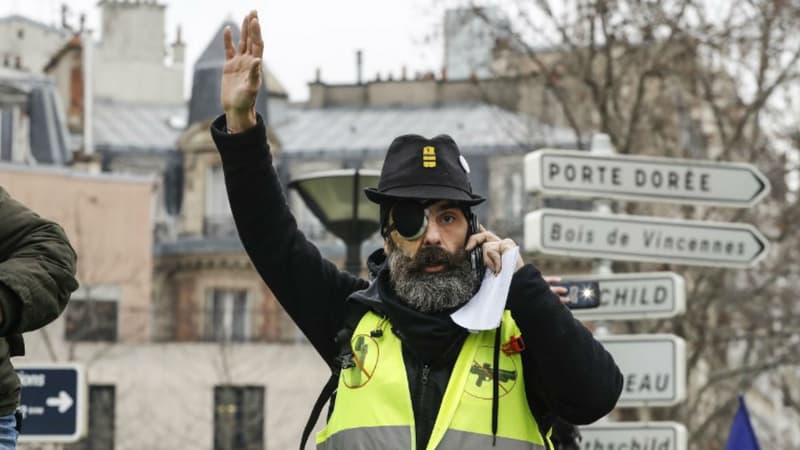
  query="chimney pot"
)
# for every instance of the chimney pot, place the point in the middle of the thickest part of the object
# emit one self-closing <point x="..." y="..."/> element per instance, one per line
<point x="359" y="65"/>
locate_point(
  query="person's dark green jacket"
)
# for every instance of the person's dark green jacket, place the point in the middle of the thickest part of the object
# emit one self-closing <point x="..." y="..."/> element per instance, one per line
<point x="37" y="275"/>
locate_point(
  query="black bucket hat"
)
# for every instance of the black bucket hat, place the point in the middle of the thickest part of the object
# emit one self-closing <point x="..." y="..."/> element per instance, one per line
<point x="426" y="169"/>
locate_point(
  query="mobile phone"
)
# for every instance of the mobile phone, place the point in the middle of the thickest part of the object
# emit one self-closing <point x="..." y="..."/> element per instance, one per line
<point x="476" y="255"/>
<point x="582" y="294"/>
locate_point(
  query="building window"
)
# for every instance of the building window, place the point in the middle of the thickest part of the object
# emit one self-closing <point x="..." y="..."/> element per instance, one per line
<point x="239" y="417"/>
<point x="227" y="315"/>
<point x="92" y="314"/>
<point x="20" y="33"/>
<point x="218" y="217"/>
<point x="100" y="433"/>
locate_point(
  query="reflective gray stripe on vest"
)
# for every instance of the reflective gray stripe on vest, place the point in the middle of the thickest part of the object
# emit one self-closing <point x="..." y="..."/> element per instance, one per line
<point x="370" y="438"/>
<point x="399" y="438"/>
<point x="464" y="440"/>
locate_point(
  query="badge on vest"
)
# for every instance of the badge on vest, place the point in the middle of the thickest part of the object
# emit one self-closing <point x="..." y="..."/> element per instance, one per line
<point x="364" y="361"/>
<point x="481" y="374"/>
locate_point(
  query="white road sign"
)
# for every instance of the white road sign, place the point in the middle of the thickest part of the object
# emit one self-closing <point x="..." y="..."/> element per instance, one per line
<point x="640" y="238"/>
<point x="634" y="296"/>
<point x="581" y="174"/>
<point x="653" y="367"/>
<point x="634" y="435"/>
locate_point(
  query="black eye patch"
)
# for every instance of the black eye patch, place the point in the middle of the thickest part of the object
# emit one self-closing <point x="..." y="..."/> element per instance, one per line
<point x="409" y="220"/>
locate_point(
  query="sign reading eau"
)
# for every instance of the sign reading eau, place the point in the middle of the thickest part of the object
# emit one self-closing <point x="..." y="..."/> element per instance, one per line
<point x="653" y="367"/>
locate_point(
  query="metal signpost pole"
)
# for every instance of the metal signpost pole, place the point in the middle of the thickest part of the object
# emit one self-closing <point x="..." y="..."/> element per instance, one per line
<point x="602" y="146"/>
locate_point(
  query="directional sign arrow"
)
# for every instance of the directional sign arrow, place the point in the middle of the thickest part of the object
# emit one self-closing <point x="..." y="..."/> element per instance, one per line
<point x="63" y="402"/>
<point x="582" y="174"/>
<point x="640" y="238"/>
<point x="634" y="296"/>
<point x="52" y="401"/>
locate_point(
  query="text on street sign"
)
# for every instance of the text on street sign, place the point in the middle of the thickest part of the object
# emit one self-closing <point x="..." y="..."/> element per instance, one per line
<point x="582" y="174"/>
<point x="641" y="238"/>
<point x="634" y="436"/>
<point x="51" y="402"/>
<point x="633" y="296"/>
<point x="653" y="367"/>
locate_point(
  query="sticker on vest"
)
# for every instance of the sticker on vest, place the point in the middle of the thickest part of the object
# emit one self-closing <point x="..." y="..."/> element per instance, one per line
<point x="481" y="374"/>
<point x="365" y="360"/>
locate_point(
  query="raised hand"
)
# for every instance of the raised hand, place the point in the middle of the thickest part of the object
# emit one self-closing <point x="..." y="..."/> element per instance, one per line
<point x="241" y="75"/>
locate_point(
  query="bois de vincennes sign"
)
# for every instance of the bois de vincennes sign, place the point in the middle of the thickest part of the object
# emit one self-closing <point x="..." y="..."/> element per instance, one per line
<point x="640" y="238"/>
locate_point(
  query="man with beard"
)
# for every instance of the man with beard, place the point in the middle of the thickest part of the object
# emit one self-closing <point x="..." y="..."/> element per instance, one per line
<point x="405" y="375"/>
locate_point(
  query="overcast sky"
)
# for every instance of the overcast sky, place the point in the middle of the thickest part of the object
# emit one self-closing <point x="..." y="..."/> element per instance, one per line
<point x="300" y="35"/>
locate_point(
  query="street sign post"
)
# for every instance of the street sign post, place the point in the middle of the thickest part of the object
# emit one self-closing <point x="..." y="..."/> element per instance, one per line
<point x="641" y="238"/>
<point x="582" y="174"/>
<point x="635" y="296"/>
<point x="634" y="435"/>
<point x="52" y="402"/>
<point x="653" y="367"/>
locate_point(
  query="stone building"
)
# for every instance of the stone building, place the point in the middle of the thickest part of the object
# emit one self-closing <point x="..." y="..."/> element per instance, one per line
<point x="136" y="109"/>
<point x="27" y="44"/>
<point x="131" y="54"/>
<point x="208" y="288"/>
<point x="32" y="124"/>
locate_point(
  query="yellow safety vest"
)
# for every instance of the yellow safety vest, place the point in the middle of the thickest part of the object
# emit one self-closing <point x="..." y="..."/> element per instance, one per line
<point x="373" y="401"/>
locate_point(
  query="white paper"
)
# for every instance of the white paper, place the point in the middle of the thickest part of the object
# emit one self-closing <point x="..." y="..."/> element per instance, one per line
<point x="485" y="310"/>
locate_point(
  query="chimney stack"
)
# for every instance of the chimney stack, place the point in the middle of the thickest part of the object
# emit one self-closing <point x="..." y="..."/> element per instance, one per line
<point x="178" y="47"/>
<point x="64" y="12"/>
<point x="359" y="66"/>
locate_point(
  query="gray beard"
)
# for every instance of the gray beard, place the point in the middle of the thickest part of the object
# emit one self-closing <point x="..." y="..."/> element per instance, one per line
<point x="432" y="292"/>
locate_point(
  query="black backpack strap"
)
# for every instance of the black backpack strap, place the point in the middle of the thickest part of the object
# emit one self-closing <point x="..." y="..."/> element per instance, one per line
<point x="327" y="392"/>
<point x="343" y="360"/>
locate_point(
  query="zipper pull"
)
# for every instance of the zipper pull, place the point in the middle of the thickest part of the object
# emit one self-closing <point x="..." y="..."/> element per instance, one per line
<point x="426" y="371"/>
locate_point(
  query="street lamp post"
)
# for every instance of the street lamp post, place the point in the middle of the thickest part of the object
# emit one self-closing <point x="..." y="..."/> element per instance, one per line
<point x="336" y="198"/>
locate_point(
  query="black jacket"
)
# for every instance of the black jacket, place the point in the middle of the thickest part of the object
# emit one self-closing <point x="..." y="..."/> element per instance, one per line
<point x="37" y="275"/>
<point x="577" y="379"/>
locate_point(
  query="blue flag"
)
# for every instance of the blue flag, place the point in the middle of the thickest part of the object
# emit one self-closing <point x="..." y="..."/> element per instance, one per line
<point x="742" y="436"/>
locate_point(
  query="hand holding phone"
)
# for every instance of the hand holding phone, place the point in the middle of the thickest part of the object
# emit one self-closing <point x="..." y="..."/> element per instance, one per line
<point x="582" y="294"/>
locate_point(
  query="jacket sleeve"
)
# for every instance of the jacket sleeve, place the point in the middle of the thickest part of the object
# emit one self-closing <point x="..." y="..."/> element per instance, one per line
<point x="310" y="288"/>
<point x="565" y="366"/>
<point x="37" y="268"/>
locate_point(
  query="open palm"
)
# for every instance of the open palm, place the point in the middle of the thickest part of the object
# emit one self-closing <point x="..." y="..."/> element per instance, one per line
<point x="241" y="75"/>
